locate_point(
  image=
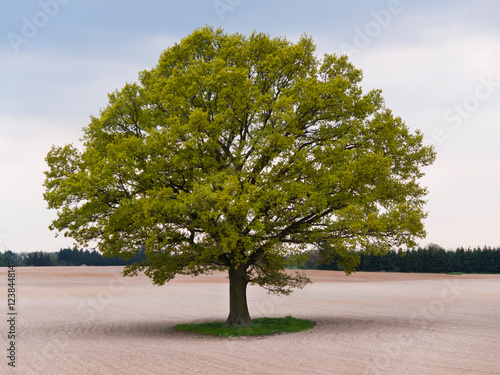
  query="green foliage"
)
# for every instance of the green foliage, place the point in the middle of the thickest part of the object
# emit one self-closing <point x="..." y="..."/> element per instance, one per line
<point x="37" y="258"/>
<point x="6" y="258"/>
<point x="241" y="152"/>
<point x="260" y="327"/>
<point x="78" y="257"/>
<point x="453" y="262"/>
<point x="431" y="259"/>
<point x="64" y="257"/>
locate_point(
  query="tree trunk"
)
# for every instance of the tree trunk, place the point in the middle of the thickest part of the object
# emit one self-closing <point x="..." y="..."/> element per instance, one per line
<point x="238" y="309"/>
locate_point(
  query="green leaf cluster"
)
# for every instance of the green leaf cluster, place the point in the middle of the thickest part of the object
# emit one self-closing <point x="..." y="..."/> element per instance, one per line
<point x="241" y="151"/>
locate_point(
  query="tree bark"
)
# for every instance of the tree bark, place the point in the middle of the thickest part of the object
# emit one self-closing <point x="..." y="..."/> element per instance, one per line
<point x="238" y="308"/>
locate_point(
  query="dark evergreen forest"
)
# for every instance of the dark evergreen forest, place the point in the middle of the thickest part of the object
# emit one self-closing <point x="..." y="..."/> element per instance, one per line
<point x="64" y="257"/>
<point x="430" y="259"/>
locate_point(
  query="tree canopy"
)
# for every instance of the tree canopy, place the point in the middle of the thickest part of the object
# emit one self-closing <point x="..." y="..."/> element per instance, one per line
<point x="238" y="153"/>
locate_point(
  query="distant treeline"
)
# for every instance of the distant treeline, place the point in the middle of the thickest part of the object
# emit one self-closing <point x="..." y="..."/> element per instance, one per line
<point x="431" y="259"/>
<point x="64" y="257"/>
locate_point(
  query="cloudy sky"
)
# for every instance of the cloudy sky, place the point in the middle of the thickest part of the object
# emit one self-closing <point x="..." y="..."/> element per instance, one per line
<point x="437" y="64"/>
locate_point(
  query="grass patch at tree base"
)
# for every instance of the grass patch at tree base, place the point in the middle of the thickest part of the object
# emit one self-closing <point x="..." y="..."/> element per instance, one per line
<point x="260" y="327"/>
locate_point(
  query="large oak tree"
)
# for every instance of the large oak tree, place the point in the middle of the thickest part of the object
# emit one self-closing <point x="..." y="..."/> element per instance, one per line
<point x="238" y="153"/>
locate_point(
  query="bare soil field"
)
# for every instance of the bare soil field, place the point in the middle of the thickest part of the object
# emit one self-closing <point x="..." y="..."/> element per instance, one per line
<point x="90" y="320"/>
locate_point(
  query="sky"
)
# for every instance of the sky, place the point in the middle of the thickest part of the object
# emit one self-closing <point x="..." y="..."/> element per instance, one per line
<point x="437" y="64"/>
